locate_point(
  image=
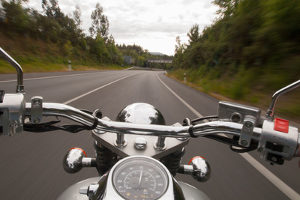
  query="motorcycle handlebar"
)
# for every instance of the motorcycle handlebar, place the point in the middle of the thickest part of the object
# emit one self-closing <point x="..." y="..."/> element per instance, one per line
<point x="208" y="128"/>
<point x="268" y="140"/>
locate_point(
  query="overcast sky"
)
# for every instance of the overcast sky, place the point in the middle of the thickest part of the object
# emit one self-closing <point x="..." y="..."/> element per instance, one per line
<point x="152" y="24"/>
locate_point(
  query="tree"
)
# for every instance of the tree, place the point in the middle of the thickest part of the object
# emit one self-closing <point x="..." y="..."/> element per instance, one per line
<point x="51" y="8"/>
<point x="179" y="53"/>
<point x="77" y="16"/>
<point x="16" y="1"/>
<point x="100" y="24"/>
<point x="194" y="35"/>
<point x="227" y="7"/>
<point x="59" y="31"/>
<point x="111" y="39"/>
<point x="178" y="45"/>
<point x="15" y="16"/>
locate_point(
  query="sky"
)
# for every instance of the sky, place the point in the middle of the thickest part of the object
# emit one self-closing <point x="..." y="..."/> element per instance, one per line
<point x="151" y="24"/>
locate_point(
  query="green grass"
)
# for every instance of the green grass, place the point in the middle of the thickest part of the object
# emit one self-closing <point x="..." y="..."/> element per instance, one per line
<point x="38" y="66"/>
<point x="253" y="86"/>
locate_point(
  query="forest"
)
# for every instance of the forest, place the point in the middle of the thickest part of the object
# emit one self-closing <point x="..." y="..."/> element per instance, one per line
<point x="52" y="37"/>
<point x="250" y="50"/>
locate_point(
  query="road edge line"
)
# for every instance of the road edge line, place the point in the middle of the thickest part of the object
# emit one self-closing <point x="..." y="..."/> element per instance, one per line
<point x="277" y="182"/>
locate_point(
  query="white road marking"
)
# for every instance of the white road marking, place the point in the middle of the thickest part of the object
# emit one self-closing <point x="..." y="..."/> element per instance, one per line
<point x="94" y="90"/>
<point x="46" y="77"/>
<point x="283" y="187"/>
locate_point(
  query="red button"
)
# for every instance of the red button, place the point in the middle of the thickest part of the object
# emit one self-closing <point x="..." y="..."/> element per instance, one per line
<point x="281" y="125"/>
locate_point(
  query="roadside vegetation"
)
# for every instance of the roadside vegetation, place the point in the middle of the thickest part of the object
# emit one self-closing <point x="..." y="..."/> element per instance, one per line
<point x="47" y="40"/>
<point x="251" y="50"/>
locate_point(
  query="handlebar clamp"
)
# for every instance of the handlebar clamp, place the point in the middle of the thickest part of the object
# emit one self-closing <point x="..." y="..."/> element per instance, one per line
<point x="36" y="109"/>
<point x="247" y="115"/>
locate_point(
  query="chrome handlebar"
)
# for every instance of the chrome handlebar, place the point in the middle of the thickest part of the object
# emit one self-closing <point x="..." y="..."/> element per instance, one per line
<point x="208" y="128"/>
<point x="274" y="146"/>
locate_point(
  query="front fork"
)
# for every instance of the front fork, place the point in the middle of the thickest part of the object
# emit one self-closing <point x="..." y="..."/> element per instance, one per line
<point x="105" y="158"/>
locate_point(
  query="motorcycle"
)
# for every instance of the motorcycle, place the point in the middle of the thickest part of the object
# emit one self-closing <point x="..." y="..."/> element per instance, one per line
<point x="138" y="155"/>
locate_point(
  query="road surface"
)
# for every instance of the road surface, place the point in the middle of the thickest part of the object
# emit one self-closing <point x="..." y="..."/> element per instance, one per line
<point x="31" y="163"/>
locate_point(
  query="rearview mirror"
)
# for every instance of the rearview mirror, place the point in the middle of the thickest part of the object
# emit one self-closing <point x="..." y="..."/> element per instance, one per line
<point x="276" y="95"/>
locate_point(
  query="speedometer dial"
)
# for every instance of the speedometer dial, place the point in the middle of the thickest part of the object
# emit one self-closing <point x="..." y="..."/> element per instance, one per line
<point x="140" y="179"/>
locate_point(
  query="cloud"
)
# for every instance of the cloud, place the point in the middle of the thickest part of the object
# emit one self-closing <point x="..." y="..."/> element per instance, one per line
<point x="153" y="24"/>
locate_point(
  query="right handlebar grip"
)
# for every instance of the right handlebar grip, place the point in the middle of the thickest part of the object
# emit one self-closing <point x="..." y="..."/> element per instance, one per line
<point x="279" y="141"/>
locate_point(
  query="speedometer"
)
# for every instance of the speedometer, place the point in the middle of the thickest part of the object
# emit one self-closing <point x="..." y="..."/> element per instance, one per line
<point x="140" y="178"/>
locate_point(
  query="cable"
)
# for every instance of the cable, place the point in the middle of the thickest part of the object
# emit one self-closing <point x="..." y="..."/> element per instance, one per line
<point x="204" y="118"/>
<point x="234" y="146"/>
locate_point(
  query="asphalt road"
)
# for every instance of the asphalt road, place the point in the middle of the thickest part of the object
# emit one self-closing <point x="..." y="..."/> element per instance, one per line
<point x="31" y="163"/>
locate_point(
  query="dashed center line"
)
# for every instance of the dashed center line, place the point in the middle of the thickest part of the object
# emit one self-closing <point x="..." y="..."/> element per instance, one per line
<point x="94" y="90"/>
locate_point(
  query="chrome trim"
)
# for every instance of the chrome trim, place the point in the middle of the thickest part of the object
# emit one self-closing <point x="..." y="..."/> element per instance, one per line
<point x="140" y="143"/>
<point x="72" y="161"/>
<point x="198" y="168"/>
<point x="201" y="169"/>
<point x="227" y="110"/>
<point x="8" y="58"/>
<point x="108" y="140"/>
<point x="288" y="141"/>
<point x="120" y="141"/>
<point x="89" y="191"/>
<point x="160" y="143"/>
<point x="36" y="109"/>
<point x="12" y="114"/>
<point x="62" y="110"/>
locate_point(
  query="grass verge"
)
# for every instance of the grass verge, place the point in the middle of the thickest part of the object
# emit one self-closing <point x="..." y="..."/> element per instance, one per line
<point x="250" y="87"/>
<point x="6" y="68"/>
<point x="40" y="56"/>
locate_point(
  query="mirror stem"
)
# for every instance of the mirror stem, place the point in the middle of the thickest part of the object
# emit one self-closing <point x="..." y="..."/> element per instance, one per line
<point x="276" y="95"/>
<point x="20" y="86"/>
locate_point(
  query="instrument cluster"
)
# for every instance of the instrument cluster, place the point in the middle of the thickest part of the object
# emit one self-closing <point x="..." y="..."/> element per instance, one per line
<point x="140" y="178"/>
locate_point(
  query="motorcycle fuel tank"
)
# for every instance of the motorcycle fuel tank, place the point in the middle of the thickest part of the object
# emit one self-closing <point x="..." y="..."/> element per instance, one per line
<point x="190" y="192"/>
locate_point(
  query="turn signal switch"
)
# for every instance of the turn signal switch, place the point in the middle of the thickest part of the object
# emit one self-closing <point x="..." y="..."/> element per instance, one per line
<point x="76" y="159"/>
<point x="198" y="168"/>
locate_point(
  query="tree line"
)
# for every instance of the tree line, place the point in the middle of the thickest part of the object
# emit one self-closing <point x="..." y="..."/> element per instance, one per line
<point x="53" y="26"/>
<point x="248" y="34"/>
